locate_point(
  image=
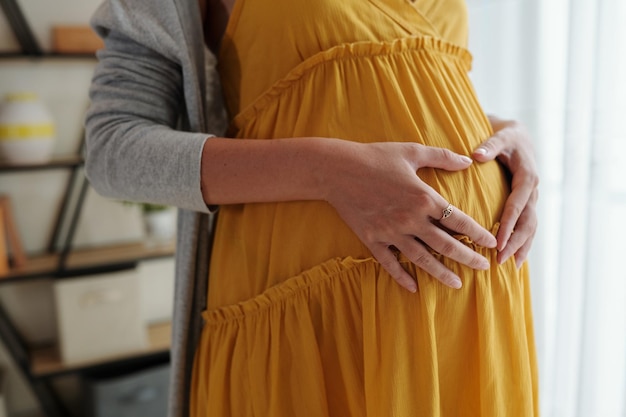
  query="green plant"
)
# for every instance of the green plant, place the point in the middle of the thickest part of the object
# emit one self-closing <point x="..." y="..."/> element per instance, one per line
<point x="151" y="208"/>
<point x="147" y="207"/>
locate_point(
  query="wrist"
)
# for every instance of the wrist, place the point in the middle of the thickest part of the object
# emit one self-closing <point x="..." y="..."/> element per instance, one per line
<point x="338" y="161"/>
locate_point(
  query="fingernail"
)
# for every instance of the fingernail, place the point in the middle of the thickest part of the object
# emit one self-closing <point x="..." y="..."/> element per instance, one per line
<point x="412" y="288"/>
<point x="503" y="259"/>
<point x="481" y="151"/>
<point x="456" y="283"/>
<point x="519" y="263"/>
<point x="466" y="159"/>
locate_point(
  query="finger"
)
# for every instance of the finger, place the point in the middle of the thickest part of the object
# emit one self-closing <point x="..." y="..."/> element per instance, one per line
<point x="515" y="243"/>
<point x="463" y="224"/>
<point x="522" y="253"/>
<point x="388" y="261"/>
<point x="524" y="233"/>
<point x="514" y="206"/>
<point x="421" y="257"/>
<point x="457" y="221"/>
<point x="443" y="243"/>
<point x="429" y="156"/>
<point x="491" y="148"/>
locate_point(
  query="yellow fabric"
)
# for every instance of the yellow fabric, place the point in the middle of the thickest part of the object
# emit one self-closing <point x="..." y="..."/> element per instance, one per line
<point x="301" y="320"/>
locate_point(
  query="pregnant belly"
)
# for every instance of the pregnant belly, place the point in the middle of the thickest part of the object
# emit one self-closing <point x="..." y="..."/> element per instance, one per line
<point x="359" y="100"/>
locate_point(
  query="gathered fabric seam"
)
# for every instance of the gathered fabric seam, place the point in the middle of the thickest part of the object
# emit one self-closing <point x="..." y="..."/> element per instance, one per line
<point x="402" y="46"/>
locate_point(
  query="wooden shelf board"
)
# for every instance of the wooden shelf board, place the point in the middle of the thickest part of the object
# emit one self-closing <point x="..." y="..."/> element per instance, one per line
<point x="47" y="264"/>
<point x="46" y="55"/>
<point x="60" y="161"/>
<point x="47" y="361"/>
<point x="117" y="254"/>
<point x="35" y="266"/>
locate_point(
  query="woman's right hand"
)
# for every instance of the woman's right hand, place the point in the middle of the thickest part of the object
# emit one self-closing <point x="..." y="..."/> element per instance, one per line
<point x="378" y="193"/>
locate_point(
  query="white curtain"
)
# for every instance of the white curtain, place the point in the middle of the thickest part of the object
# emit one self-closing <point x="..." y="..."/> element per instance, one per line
<point x="560" y="67"/>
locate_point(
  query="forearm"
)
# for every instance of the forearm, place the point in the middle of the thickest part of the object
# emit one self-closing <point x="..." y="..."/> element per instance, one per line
<point x="253" y="171"/>
<point x="373" y="188"/>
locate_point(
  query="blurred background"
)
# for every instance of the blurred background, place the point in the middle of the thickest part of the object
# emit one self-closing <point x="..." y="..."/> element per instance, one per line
<point x="558" y="66"/>
<point x="66" y="356"/>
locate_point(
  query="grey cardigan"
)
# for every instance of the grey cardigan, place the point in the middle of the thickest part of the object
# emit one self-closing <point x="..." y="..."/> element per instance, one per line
<point x="144" y="142"/>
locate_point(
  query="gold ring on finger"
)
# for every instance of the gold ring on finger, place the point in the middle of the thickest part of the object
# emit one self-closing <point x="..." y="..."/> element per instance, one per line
<point x="447" y="212"/>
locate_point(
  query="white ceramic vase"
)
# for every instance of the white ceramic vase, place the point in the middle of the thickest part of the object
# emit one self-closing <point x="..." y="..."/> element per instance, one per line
<point x="27" y="130"/>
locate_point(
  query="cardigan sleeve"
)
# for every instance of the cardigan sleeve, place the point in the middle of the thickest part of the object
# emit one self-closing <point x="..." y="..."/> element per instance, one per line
<point x="135" y="149"/>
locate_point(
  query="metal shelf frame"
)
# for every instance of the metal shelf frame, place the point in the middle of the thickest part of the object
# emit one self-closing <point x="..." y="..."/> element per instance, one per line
<point x="61" y="263"/>
<point x="20" y="27"/>
<point x="49" y="401"/>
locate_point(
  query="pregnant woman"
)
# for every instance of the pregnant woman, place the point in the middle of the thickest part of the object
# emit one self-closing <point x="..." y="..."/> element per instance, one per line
<point x="362" y="264"/>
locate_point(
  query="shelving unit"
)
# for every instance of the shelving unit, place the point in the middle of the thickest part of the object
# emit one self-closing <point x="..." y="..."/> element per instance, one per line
<point x="20" y="27"/>
<point x="41" y="365"/>
<point x="45" y="55"/>
<point x="46" y="361"/>
<point x="65" y="161"/>
<point x="85" y="261"/>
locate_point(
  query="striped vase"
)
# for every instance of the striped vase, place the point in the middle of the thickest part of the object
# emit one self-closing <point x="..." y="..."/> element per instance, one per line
<point x="27" y="130"/>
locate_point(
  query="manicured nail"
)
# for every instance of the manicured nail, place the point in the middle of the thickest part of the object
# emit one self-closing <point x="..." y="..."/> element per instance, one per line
<point x="412" y="288"/>
<point x="456" y="283"/>
<point x="481" y="151"/>
<point x="466" y="159"/>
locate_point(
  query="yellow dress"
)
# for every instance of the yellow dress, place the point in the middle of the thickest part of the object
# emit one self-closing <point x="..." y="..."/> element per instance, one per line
<point x="301" y="320"/>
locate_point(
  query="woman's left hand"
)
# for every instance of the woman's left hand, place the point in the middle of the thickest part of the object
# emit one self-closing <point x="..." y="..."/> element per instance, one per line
<point x="512" y="146"/>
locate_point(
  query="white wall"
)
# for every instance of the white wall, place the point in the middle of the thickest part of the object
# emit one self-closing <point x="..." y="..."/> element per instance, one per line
<point x="62" y="84"/>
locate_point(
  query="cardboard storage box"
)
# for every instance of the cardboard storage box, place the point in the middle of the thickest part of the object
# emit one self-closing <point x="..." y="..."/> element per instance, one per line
<point x="99" y="316"/>
<point x="142" y="393"/>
